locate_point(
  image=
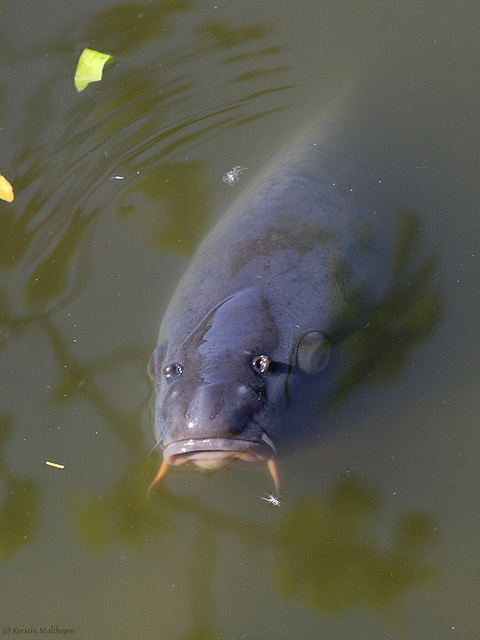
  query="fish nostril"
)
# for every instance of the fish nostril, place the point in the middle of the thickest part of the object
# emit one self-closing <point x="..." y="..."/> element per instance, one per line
<point x="217" y="408"/>
<point x="259" y="391"/>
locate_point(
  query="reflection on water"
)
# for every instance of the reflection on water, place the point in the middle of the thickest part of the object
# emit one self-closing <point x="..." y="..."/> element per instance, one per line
<point x="322" y="552"/>
<point x="67" y="175"/>
<point x="328" y="559"/>
<point x="20" y="506"/>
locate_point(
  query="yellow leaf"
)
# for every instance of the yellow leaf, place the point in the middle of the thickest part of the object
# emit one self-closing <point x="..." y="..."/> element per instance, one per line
<point x="90" y="67"/>
<point x="6" y="191"/>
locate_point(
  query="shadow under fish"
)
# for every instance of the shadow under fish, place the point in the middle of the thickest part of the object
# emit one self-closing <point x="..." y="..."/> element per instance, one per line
<point x="270" y="313"/>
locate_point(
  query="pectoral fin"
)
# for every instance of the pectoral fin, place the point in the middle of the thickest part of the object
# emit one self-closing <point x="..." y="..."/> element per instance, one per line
<point x="313" y="352"/>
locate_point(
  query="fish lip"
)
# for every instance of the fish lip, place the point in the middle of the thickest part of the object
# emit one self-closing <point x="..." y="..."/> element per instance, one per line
<point x="216" y="449"/>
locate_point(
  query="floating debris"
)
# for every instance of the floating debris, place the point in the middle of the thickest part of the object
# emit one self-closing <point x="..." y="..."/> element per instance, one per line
<point x="6" y="190"/>
<point x="273" y="500"/>
<point x="55" y="464"/>
<point x="90" y="67"/>
<point x="233" y="176"/>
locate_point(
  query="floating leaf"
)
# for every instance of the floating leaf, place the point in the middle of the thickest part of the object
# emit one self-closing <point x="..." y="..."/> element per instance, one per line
<point x="6" y="191"/>
<point x="90" y="67"/>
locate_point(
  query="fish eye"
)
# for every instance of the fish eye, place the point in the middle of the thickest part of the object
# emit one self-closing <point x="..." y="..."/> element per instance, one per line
<point x="173" y="370"/>
<point x="262" y="364"/>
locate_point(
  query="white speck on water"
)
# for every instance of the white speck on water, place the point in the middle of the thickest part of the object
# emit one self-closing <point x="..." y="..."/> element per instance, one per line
<point x="233" y="176"/>
<point x="273" y="500"/>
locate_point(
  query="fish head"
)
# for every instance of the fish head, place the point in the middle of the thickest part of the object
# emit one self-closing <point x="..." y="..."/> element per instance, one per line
<point x="214" y="389"/>
<point x="222" y="390"/>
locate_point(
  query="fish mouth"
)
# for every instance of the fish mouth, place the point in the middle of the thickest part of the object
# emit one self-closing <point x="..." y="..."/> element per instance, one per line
<point x="215" y="453"/>
<point x="211" y="454"/>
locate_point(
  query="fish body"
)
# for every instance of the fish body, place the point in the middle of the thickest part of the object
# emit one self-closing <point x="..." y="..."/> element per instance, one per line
<point x="291" y="268"/>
